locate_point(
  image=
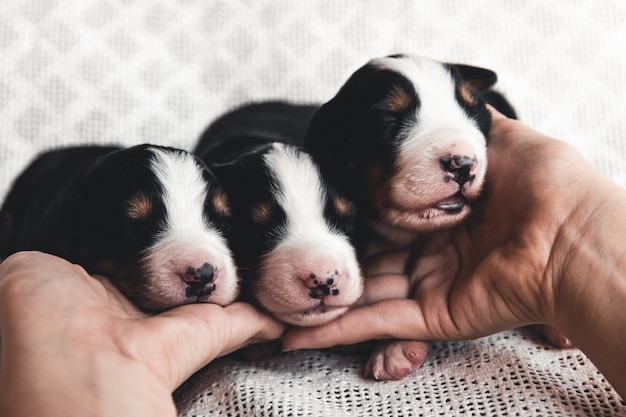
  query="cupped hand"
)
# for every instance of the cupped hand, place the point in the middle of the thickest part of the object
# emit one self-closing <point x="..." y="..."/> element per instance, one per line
<point x="54" y="317"/>
<point x="498" y="270"/>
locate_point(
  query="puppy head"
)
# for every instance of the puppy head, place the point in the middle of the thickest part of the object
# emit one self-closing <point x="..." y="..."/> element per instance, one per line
<point x="291" y="235"/>
<point x="151" y="219"/>
<point x="408" y="135"/>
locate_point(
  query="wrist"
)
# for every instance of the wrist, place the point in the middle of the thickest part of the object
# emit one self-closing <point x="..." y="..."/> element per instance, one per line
<point x="587" y="254"/>
<point x="590" y="292"/>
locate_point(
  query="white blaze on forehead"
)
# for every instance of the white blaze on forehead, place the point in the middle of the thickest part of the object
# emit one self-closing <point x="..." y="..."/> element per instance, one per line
<point x="184" y="191"/>
<point x="300" y="190"/>
<point x="436" y="89"/>
<point x="187" y="239"/>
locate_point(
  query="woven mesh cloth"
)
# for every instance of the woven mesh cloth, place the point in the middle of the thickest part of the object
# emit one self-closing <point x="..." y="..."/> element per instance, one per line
<point x="508" y="374"/>
<point x="134" y="71"/>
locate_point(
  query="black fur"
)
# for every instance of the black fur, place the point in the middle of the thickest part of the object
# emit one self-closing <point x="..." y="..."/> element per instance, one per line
<point x="357" y="128"/>
<point x="74" y="203"/>
<point x="234" y="146"/>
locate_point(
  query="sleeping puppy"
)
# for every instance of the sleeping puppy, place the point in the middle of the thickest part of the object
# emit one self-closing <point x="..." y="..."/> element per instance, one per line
<point x="291" y="229"/>
<point x="407" y="135"/>
<point x="152" y="219"/>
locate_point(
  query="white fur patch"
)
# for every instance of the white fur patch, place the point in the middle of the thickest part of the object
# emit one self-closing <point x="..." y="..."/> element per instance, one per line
<point x="439" y="110"/>
<point x="187" y="239"/>
<point x="300" y="192"/>
<point x="184" y="192"/>
<point x="310" y="247"/>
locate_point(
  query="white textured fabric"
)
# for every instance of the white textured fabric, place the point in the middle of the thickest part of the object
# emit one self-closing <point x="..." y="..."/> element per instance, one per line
<point x="508" y="374"/>
<point x="133" y="71"/>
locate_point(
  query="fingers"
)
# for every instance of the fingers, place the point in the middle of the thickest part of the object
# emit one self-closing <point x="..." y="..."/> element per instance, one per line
<point x="385" y="286"/>
<point x="495" y="114"/>
<point x="250" y="326"/>
<point x="501" y="127"/>
<point x="397" y="318"/>
<point x="387" y="262"/>
<point x="191" y="336"/>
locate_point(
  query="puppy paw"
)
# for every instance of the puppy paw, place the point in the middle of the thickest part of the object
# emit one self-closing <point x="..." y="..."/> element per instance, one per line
<point x="393" y="360"/>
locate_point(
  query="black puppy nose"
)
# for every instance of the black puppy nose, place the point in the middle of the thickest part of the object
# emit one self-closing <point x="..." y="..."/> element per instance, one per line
<point x="202" y="275"/>
<point x="460" y="166"/>
<point x="322" y="287"/>
<point x="199" y="281"/>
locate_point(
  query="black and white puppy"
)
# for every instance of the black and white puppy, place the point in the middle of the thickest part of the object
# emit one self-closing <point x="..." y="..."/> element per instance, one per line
<point x="153" y="219"/>
<point x="407" y="134"/>
<point x="291" y="229"/>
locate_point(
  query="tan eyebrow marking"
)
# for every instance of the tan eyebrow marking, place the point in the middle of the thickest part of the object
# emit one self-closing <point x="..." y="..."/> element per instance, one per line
<point x="399" y="100"/>
<point x="343" y="206"/>
<point x="139" y="207"/>
<point x="220" y="204"/>
<point x="261" y="213"/>
<point x="467" y="94"/>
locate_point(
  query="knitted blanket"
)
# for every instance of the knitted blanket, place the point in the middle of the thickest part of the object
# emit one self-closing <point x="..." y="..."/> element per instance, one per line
<point x="134" y="71"/>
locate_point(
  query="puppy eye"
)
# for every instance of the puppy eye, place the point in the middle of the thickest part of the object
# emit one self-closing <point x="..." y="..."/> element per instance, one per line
<point x="220" y="204"/>
<point x="139" y="207"/>
<point x="343" y="207"/>
<point x="262" y="212"/>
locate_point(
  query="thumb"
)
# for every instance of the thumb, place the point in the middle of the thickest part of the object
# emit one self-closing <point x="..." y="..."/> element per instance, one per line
<point x="495" y="114"/>
<point x="191" y="336"/>
<point x="393" y="318"/>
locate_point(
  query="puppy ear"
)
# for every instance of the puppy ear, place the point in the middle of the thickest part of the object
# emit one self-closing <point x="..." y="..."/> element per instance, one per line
<point x="331" y="126"/>
<point x="324" y="134"/>
<point x="479" y="79"/>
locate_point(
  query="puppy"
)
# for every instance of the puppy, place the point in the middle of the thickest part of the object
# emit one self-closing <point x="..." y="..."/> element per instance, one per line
<point x="152" y="219"/>
<point x="291" y="229"/>
<point x="407" y="135"/>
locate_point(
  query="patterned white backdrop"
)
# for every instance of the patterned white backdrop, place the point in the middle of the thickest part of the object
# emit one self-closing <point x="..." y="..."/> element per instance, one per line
<point x="133" y="71"/>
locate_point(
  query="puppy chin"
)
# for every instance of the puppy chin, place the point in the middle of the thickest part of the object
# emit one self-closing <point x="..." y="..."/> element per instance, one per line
<point x="424" y="219"/>
<point x="422" y="200"/>
<point x="316" y="317"/>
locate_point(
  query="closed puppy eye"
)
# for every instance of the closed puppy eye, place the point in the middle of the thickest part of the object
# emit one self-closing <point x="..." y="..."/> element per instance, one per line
<point x="139" y="207"/>
<point x="261" y="213"/>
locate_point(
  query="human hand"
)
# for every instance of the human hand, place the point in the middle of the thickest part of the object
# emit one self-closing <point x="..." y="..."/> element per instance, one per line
<point x="74" y="345"/>
<point x="497" y="270"/>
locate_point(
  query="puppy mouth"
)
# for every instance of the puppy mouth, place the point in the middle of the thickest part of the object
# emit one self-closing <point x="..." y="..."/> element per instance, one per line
<point x="446" y="212"/>
<point x="198" y="293"/>
<point x="319" y="309"/>
<point x="452" y="205"/>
